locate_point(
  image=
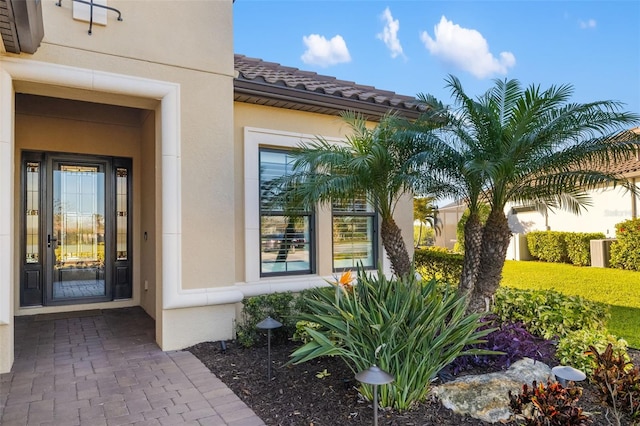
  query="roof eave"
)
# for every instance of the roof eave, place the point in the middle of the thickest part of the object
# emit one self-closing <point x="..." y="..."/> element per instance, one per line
<point x="261" y="93"/>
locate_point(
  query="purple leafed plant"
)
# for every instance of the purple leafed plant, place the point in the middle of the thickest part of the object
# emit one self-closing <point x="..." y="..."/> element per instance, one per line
<point x="511" y="338"/>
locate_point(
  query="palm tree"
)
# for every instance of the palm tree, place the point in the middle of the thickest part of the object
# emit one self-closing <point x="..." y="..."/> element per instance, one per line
<point x="524" y="146"/>
<point x="372" y="163"/>
<point x="425" y="211"/>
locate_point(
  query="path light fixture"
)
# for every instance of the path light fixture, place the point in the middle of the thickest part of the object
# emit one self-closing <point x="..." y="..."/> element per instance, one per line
<point x="374" y="376"/>
<point x="268" y="324"/>
<point x="565" y="374"/>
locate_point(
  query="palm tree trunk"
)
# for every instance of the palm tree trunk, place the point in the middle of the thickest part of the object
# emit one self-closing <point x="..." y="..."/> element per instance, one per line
<point x="495" y="242"/>
<point x="396" y="250"/>
<point x="419" y="236"/>
<point x="285" y="244"/>
<point x="472" y="249"/>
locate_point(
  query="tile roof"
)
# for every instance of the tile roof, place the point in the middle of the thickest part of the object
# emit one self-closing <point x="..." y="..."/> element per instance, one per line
<point x="269" y="83"/>
<point x="631" y="166"/>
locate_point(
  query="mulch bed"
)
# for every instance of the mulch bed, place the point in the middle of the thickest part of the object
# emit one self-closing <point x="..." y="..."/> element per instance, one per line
<point x="323" y="392"/>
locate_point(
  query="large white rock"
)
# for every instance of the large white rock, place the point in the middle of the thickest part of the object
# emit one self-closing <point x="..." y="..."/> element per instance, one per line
<point x="486" y="396"/>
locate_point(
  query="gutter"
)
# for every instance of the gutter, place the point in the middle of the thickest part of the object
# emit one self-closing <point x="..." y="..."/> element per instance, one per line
<point x="305" y="98"/>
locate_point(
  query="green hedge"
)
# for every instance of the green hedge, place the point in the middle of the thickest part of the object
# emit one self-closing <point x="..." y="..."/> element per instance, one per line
<point x="625" y="251"/>
<point x="579" y="246"/>
<point x="279" y="306"/>
<point x="438" y="263"/>
<point x="549" y="313"/>
<point x="562" y="247"/>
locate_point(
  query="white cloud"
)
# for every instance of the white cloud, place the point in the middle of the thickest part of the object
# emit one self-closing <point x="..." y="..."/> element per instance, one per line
<point x="466" y="49"/>
<point x="323" y="52"/>
<point x="588" y="24"/>
<point x="389" y="34"/>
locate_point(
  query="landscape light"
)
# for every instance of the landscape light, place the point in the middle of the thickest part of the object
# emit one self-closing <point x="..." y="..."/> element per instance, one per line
<point x="374" y="376"/>
<point x="565" y="373"/>
<point x="268" y="324"/>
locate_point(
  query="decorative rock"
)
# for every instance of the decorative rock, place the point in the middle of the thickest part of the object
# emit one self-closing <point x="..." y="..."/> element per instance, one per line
<point x="486" y="396"/>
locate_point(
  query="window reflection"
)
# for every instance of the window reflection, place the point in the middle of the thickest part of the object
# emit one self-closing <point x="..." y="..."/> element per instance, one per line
<point x="285" y="241"/>
<point x="354" y="234"/>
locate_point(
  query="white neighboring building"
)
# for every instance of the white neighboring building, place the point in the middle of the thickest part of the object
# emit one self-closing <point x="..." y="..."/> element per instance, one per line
<point x="609" y="206"/>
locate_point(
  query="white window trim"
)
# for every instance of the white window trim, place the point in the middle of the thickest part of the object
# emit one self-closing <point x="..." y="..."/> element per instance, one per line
<point x="254" y="139"/>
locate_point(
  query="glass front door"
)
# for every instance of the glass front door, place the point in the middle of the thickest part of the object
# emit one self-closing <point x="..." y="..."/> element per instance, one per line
<point x="77" y="238"/>
<point x="76" y="247"/>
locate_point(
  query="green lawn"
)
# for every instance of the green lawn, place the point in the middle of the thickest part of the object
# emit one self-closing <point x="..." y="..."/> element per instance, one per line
<point x="617" y="288"/>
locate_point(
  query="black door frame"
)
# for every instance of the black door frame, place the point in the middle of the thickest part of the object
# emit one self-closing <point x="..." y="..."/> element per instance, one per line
<point x="36" y="278"/>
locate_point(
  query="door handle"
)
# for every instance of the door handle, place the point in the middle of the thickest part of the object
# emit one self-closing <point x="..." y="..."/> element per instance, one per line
<point x="50" y="240"/>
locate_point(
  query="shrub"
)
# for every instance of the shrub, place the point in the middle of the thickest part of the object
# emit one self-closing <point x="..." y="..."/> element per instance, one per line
<point x="406" y="327"/>
<point x="562" y="247"/>
<point x="573" y="349"/>
<point x="625" y="251"/>
<point x="514" y="342"/>
<point x="550" y="405"/>
<point x="549" y="246"/>
<point x="547" y="313"/>
<point x="579" y="246"/>
<point x="423" y="235"/>
<point x="438" y="263"/>
<point x="618" y="381"/>
<point x="301" y="334"/>
<point x="279" y="306"/>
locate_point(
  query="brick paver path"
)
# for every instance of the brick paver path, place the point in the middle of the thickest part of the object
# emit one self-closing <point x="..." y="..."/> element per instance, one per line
<point x="104" y="368"/>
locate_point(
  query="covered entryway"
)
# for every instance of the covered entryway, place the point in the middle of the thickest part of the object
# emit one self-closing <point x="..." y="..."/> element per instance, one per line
<point x="79" y="212"/>
<point x="125" y="133"/>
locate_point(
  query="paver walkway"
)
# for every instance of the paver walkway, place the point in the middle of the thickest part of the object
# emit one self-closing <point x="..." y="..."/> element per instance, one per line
<point x="104" y="368"/>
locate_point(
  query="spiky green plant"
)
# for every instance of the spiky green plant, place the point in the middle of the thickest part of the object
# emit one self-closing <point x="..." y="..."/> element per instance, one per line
<point x="406" y="327"/>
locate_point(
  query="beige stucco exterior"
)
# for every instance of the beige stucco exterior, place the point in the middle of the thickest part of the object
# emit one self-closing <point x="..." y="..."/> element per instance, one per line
<point x="157" y="87"/>
<point x="160" y="51"/>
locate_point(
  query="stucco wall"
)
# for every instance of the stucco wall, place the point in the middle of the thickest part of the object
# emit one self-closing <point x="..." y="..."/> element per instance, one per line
<point x="608" y="207"/>
<point x="148" y="223"/>
<point x="308" y="126"/>
<point x="186" y="48"/>
<point x="185" y="34"/>
<point x="187" y="43"/>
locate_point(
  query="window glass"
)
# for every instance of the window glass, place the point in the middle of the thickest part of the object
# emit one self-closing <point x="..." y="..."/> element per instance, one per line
<point x="354" y="235"/>
<point x="32" y="212"/>
<point x="285" y="240"/>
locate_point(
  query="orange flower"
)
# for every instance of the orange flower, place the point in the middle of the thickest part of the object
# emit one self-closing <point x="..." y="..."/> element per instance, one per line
<point x="346" y="278"/>
<point x="345" y="283"/>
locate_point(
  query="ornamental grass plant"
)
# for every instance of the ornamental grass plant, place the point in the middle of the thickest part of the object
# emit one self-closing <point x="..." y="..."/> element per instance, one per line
<point x="409" y="328"/>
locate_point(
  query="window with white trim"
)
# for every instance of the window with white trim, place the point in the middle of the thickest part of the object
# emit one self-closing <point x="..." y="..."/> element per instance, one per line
<point x="285" y="239"/>
<point x="355" y="235"/>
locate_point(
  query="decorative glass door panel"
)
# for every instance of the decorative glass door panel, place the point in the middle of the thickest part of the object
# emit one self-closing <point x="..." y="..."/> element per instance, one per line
<point x="78" y="238"/>
<point x="76" y="229"/>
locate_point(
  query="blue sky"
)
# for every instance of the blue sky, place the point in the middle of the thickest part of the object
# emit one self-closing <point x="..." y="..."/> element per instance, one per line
<point x="410" y="47"/>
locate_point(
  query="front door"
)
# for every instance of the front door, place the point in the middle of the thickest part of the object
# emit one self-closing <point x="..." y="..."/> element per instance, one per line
<point x="77" y="247"/>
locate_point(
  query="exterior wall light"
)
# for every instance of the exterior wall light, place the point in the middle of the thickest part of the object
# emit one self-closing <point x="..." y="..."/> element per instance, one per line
<point x="91" y="4"/>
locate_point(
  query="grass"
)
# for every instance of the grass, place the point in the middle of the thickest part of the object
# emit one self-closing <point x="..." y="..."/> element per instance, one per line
<point x="617" y="288"/>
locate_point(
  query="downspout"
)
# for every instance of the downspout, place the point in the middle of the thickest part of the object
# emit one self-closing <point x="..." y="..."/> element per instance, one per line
<point x="634" y="200"/>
